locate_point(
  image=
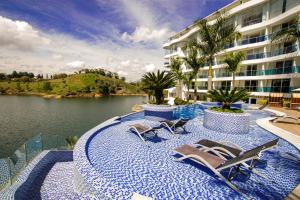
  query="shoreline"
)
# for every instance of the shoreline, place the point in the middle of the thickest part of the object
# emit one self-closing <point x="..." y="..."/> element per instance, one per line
<point x="59" y="96"/>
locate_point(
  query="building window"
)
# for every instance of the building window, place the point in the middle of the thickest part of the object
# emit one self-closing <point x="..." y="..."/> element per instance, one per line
<point x="251" y="70"/>
<point x="225" y="85"/>
<point x="251" y="86"/>
<point x="284" y="67"/>
<point x="283" y="6"/>
<point x="281" y="85"/>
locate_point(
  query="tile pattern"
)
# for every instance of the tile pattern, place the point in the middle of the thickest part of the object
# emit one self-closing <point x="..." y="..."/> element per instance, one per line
<point x="119" y="160"/>
<point x="231" y="123"/>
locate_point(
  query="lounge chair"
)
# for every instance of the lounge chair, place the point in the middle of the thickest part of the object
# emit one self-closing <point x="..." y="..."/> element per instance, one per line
<point x="231" y="149"/>
<point x="216" y="164"/>
<point x="172" y="126"/>
<point x="263" y="107"/>
<point x="141" y="130"/>
<point x="283" y="117"/>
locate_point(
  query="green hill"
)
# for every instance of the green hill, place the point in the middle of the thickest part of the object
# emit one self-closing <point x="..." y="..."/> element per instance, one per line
<point x="86" y="85"/>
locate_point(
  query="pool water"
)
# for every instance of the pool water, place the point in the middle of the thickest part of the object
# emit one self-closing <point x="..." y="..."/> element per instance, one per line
<point x="189" y="112"/>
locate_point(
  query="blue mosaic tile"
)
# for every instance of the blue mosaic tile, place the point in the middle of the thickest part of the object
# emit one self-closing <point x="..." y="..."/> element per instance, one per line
<point x="119" y="157"/>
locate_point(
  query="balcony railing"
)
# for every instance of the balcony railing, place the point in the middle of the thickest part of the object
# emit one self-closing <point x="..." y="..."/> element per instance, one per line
<point x="266" y="72"/>
<point x="285" y="50"/>
<point x="253" y="40"/>
<point x="281" y="89"/>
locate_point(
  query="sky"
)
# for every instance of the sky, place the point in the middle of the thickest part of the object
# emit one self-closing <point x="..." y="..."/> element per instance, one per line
<point x="63" y="36"/>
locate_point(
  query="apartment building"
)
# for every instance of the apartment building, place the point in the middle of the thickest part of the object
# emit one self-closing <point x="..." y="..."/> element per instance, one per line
<point x="267" y="67"/>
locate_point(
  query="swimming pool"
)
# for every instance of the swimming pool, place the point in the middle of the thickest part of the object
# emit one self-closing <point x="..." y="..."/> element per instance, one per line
<point x="120" y="164"/>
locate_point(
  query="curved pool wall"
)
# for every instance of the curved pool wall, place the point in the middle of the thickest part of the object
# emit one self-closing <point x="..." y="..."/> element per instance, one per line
<point x="158" y="112"/>
<point x="92" y="181"/>
<point x="238" y="105"/>
<point x="231" y="123"/>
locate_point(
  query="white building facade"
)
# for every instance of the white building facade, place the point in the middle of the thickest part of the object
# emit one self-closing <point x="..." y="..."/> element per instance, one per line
<point x="267" y="67"/>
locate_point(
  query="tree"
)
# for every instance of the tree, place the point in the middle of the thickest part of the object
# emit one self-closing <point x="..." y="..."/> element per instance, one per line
<point x="123" y="78"/>
<point x="288" y="34"/>
<point x="187" y="81"/>
<point x="176" y="70"/>
<point x="2" y="76"/>
<point x="227" y="98"/>
<point x="233" y="61"/>
<point x="104" y="89"/>
<point x="155" y="83"/>
<point x="47" y="86"/>
<point x="194" y="62"/>
<point x="213" y="39"/>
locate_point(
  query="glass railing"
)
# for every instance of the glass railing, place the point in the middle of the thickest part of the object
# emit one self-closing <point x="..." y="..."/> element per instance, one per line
<point x="202" y="87"/>
<point x="285" y="50"/>
<point x="202" y="76"/>
<point x="11" y="166"/>
<point x="280" y="89"/>
<point x="253" y="40"/>
<point x="274" y="71"/>
<point x="220" y="87"/>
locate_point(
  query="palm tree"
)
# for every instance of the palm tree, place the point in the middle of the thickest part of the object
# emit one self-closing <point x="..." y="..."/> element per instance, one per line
<point x="194" y="62"/>
<point x="288" y="34"/>
<point x="155" y="83"/>
<point x="227" y="98"/>
<point x="176" y="70"/>
<point x="233" y="61"/>
<point x="213" y="39"/>
<point x="187" y="81"/>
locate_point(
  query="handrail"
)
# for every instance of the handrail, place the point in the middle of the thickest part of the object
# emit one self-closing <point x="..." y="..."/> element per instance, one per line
<point x="11" y="166"/>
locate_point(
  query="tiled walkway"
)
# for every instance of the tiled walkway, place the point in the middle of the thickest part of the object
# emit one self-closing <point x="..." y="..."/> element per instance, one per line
<point x="59" y="182"/>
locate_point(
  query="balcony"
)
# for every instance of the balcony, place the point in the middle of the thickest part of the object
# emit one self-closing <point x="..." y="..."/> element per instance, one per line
<point x="221" y="87"/>
<point x="285" y="50"/>
<point x="266" y="72"/>
<point x="253" y="40"/>
<point x="280" y="89"/>
<point x="254" y="19"/>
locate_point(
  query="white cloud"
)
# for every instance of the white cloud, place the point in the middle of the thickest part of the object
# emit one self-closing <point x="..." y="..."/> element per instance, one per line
<point x="145" y="34"/>
<point x="122" y="73"/>
<point x="56" y="53"/>
<point x="19" y="34"/>
<point x="76" y="64"/>
<point x="125" y="63"/>
<point x="150" y="67"/>
<point x="57" y="57"/>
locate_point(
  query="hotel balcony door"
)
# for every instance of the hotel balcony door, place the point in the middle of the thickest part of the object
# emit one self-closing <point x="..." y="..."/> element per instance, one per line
<point x="281" y="85"/>
<point x="251" y="86"/>
<point x="284" y="67"/>
<point x="251" y="70"/>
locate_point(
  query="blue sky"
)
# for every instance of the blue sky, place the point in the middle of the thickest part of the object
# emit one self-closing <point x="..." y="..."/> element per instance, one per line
<point x="51" y="36"/>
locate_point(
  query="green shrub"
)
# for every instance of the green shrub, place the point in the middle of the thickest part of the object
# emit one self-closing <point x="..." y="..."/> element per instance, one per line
<point x="286" y="103"/>
<point x="71" y="140"/>
<point x="262" y="101"/>
<point x="179" y="101"/>
<point x="231" y="110"/>
<point x="47" y="86"/>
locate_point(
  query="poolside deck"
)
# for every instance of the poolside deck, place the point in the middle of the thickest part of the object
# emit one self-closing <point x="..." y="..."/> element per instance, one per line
<point x="289" y="124"/>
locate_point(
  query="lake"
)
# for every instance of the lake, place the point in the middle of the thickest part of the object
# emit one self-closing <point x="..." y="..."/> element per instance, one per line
<point x="22" y="117"/>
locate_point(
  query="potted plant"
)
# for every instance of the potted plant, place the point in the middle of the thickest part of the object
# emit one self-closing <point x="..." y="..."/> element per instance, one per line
<point x="227" y="118"/>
